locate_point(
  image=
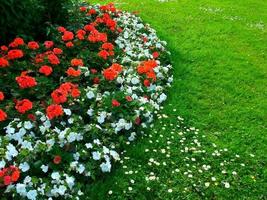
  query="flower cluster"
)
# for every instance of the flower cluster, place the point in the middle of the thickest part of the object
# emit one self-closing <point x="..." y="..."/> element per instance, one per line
<point x="67" y="104"/>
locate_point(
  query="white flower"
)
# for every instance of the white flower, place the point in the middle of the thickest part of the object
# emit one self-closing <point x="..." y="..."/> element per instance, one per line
<point x="67" y="112"/>
<point x="2" y="164"/>
<point x="89" y="145"/>
<point x="105" y="167"/>
<point x="55" y="176"/>
<point x="90" y="112"/>
<point x="70" y="181"/>
<point x="90" y="95"/>
<point x="226" y="185"/>
<point x="32" y="194"/>
<point x="21" y="189"/>
<point x="44" y="168"/>
<point x="24" y="167"/>
<point x="81" y="169"/>
<point x="62" y="189"/>
<point x="72" y="137"/>
<point x="28" y="125"/>
<point x="96" y="155"/>
<point x="11" y="152"/>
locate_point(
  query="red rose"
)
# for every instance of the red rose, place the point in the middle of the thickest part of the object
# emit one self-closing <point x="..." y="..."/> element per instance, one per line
<point x="138" y="121"/>
<point x="93" y="71"/>
<point x="15" y="175"/>
<point x="46" y="70"/>
<point x="69" y="44"/>
<point x="31" y="117"/>
<point x="96" y="80"/>
<point x="83" y="8"/>
<point x="53" y="59"/>
<point x="23" y="105"/>
<point x="53" y="111"/>
<point x="17" y="42"/>
<point x="57" y="160"/>
<point x="75" y="93"/>
<point x="26" y="81"/>
<point x="4" y="62"/>
<point x="116" y="67"/>
<point x="48" y="44"/>
<point x="61" y="29"/>
<point x="110" y="74"/>
<point x="59" y="96"/>
<point x="72" y="72"/>
<point x="91" y="11"/>
<point x="108" y="46"/>
<point x="89" y="28"/>
<point x="67" y="36"/>
<point x="14" y="54"/>
<point x="7" y="180"/>
<point x="33" y="45"/>
<point x="4" y="48"/>
<point x="57" y="51"/>
<point x="115" y="103"/>
<point x="103" y="54"/>
<point x="155" y="54"/>
<point x="75" y="62"/>
<point x="2" y="96"/>
<point x="147" y="83"/>
<point x="3" y="115"/>
<point x="128" y="98"/>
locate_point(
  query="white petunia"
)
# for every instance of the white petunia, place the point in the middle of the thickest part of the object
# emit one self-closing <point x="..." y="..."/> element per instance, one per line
<point x="90" y="95"/>
<point x="24" y="167"/>
<point x="96" y="155"/>
<point x="67" y="112"/>
<point x="105" y="167"/>
<point x="32" y="194"/>
<point x="44" y="168"/>
<point x="55" y="176"/>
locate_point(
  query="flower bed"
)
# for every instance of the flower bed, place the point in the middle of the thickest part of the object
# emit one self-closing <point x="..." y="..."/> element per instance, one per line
<point x="67" y="106"/>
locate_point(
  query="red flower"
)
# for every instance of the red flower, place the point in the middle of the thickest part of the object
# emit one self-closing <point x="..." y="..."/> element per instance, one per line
<point x="72" y="72"/>
<point x="147" y="83"/>
<point x="67" y="36"/>
<point x="107" y="46"/>
<point x="116" y="67"/>
<point x="2" y="96"/>
<point x="17" y="42"/>
<point x="57" y="51"/>
<point x="3" y="115"/>
<point x="61" y="29"/>
<point x="57" y="160"/>
<point x="128" y="98"/>
<point x="91" y="11"/>
<point x="48" y="44"/>
<point x="83" y="8"/>
<point x="3" y="62"/>
<point x="89" y="27"/>
<point x="23" y="106"/>
<point x="33" y="45"/>
<point x="14" y="54"/>
<point x="31" y="117"/>
<point x="110" y="74"/>
<point x="96" y="80"/>
<point x="69" y="44"/>
<point x="138" y="121"/>
<point x="115" y="103"/>
<point x="7" y="180"/>
<point x="103" y="54"/>
<point x="26" y="81"/>
<point x="46" y="70"/>
<point x="75" y="62"/>
<point x="53" y="59"/>
<point x="4" y="48"/>
<point x="59" y="96"/>
<point x="93" y="71"/>
<point x="15" y="175"/>
<point x="53" y="111"/>
<point x="75" y="93"/>
<point x="155" y="54"/>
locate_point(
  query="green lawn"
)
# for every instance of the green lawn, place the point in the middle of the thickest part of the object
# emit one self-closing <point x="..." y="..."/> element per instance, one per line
<point x="220" y="87"/>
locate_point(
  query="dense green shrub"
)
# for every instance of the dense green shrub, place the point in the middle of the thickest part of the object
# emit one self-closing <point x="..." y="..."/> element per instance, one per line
<point x="31" y="18"/>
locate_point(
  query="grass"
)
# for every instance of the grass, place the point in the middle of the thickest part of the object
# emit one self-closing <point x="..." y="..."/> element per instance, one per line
<point x="219" y="54"/>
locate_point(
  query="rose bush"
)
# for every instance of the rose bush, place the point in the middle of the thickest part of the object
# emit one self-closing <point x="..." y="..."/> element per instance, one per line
<point x="67" y="106"/>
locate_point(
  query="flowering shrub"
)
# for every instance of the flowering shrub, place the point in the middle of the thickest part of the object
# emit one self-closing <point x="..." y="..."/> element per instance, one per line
<point x="67" y="105"/>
